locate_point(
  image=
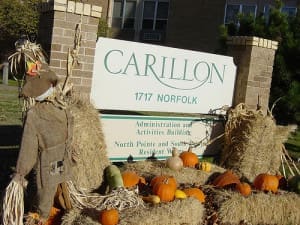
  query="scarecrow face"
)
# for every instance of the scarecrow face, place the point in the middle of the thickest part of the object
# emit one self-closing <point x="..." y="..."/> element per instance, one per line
<point x="39" y="78"/>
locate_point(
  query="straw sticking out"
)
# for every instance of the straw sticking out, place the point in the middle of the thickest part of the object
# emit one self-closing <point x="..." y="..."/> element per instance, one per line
<point x="13" y="204"/>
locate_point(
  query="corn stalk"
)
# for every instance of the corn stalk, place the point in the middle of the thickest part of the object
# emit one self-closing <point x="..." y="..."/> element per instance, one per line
<point x="72" y="59"/>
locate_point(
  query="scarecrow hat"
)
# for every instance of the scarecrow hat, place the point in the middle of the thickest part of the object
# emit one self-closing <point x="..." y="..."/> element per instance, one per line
<point x="38" y="83"/>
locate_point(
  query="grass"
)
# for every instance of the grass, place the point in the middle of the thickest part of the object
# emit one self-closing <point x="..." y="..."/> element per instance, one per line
<point x="10" y="105"/>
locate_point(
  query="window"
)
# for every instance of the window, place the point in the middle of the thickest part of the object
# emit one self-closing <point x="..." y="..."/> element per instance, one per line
<point x="155" y="14"/>
<point x="124" y="14"/>
<point x="290" y="11"/>
<point x="232" y="11"/>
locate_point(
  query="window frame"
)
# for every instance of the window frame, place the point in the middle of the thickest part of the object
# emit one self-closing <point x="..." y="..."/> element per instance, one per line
<point x="240" y="10"/>
<point x="289" y="7"/>
<point x="123" y="14"/>
<point x="155" y="19"/>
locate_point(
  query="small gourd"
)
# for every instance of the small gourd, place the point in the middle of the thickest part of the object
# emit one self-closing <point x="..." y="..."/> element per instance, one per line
<point x="179" y="194"/>
<point x="174" y="162"/>
<point x="189" y="158"/>
<point x="114" y="177"/>
<point x="266" y="182"/>
<point x="205" y="166"/>
<point x="109" y="217"/>
<point x="154" y="199"/>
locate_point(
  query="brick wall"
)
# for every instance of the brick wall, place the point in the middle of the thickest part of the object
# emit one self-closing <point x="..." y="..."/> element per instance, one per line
<point x="254" y="58"/>
<point x="58" y="23"/>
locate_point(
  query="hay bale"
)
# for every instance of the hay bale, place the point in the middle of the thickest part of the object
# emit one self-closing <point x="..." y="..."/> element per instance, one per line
<point x="188" y="211"/>
<point x="89" y="145"/>
<point x="253" y="143"/>
<point x="260" y="208"/>
<point x="174" y="213"/>
<point x="149" y="169"/>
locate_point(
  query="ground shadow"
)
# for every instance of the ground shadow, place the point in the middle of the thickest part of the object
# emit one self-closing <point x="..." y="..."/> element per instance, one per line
<point x="10" y="136"/>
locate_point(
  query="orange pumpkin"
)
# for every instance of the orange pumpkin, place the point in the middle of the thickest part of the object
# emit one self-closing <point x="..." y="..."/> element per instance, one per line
<point x="225" y="179"/>
<point x="266" y="182"/>
<point x="109" y="217"/>
<point x="131" y="179"/>
<point x="189" y="158"/>
<point x="164" y="190"/>
<point x="196" y="193"/>
<point x="55" y="217"/>
<point x="163" y="178"/>
<point x="244" y="188"/>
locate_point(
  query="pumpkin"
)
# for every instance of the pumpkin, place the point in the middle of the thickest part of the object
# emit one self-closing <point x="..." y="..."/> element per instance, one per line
<point x="131" y="179"/>
<point x="205" y="166"/>
<point x="266" y="182"/>
<point x="174" y="162"/>
<point x="196" y="193"/>
<point x="109" y="217"/>
<point x="55" y="217"/>
<point x="189" y="158"/>
<point x="227" y="178"/>
<point x="164" y="190"/>
<point x="163" y="178"/>
<point x="244" y="188"/>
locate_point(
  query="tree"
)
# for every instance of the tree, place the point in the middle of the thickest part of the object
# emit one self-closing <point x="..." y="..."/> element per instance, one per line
<point x="16" y="18"/>
<point x="285" y="87"/>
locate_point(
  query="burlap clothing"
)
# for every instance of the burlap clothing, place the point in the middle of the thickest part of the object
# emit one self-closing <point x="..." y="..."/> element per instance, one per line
<point x="45" y="146"/>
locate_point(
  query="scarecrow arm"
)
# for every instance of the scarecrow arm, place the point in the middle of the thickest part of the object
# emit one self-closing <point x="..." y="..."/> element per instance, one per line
<point x="29" y="147"/>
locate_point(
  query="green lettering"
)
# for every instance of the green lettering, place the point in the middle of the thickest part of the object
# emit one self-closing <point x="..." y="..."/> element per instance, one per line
<point x="106" y="61"/>
<point x="133" y="63"/>
<point x="221" y="77"/>
<point x="198" y="75"/>
<point x="149" y="65"/>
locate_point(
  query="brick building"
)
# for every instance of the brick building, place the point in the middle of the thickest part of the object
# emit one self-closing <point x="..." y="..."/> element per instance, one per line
<point x="172" y="23"/>
<point x="183" y="24"/>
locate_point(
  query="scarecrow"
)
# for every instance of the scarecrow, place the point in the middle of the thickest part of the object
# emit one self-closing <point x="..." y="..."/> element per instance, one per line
<point x="46" y="140"/>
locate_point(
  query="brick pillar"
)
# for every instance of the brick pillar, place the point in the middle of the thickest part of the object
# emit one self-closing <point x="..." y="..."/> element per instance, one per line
<point x="254" y="58"/>
<point x="56" y="35"/>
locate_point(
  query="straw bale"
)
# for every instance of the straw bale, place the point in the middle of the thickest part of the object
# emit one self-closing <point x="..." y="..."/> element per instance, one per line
<point x="89" y="145"/>
<point x="253" y="143"/>
<point x="260" y="208"/>
<point x="188" y="211"/>
<point x="149" y="169"/>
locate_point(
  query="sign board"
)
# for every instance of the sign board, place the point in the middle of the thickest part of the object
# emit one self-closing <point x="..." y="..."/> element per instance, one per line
<point x="141" y="137"/>
<point x="144" y="77"/>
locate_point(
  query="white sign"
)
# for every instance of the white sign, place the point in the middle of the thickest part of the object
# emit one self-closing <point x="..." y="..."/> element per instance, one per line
<point x="142" y="137"/>
<point x="143" y="77"/>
